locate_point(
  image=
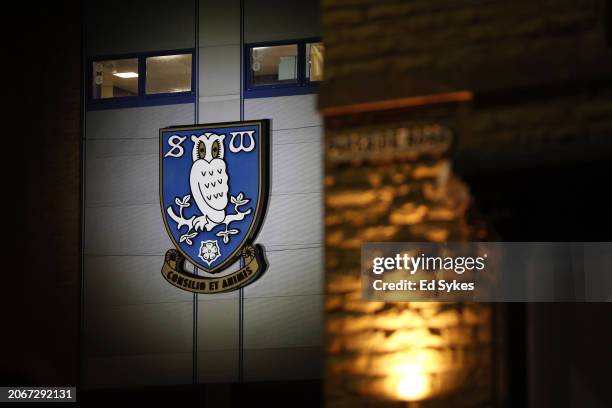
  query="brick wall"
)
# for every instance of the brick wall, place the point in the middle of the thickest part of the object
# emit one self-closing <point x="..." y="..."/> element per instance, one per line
<point x="538" y="75"/>
<point x="369" y="343"/>
<point x="381" y="353"/>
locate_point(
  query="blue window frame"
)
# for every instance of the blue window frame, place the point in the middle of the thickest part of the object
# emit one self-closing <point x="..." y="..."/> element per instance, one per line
<point x="138" y="96"/>
<point x="299" y="85"/>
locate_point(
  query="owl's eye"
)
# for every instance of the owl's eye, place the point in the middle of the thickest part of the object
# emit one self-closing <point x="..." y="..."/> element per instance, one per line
<point x="215" y="149"/>
<point x="201" y="150"/>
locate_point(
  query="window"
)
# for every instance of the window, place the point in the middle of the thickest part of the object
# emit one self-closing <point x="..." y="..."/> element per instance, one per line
<point x="169" y="74"/>
<point x="115" y="78"/>
<point x="314" y="61"/>
<point x="283" y="68"/>
<point x="274" y="65"/>
<point x="141" y="80"/>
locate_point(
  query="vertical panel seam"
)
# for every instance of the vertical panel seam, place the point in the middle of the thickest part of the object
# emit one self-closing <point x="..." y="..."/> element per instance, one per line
<point x="241" y="290"/>
<point x="84" y="73"/>
<point x="196" y="103"/>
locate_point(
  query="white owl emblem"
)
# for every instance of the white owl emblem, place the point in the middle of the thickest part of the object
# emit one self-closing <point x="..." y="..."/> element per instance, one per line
<point x="209" y="185"/>
<point x="208" y="179"/>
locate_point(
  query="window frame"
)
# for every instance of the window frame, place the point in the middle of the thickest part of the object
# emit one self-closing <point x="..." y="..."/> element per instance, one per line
<point x="303" y="85"/>
<point x="142" y="99"/>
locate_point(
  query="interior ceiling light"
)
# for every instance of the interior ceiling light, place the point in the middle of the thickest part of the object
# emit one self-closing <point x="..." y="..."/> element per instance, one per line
<point x="126" y="74"/>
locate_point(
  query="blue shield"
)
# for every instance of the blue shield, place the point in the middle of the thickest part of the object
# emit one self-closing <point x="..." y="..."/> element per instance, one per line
<point x="214" y="190"/>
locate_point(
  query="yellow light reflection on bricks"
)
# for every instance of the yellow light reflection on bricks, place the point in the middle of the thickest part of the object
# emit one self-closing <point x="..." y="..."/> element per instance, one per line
<point x="411" y="383"/>
<point x="414" y="352"/>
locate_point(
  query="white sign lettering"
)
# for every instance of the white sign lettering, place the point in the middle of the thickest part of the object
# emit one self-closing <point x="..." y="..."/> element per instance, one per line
<point x="241" y="146"/>
<point x="175" y="142"/>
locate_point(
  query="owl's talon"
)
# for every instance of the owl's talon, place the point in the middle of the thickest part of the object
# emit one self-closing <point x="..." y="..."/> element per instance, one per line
<point x="199" y="224"/>
<point x="203" y="223"/>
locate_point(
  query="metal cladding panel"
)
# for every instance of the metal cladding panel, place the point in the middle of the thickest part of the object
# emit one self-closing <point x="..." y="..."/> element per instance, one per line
<point x="297" y="167"/>
<point x="286" y="112"/>
<point x="220" y="70"/>
<point x="291" y="272"/>
<point x="219" y="22"/>
<point x="219" y="108"/>
<point x="158" y="328"/>
<point x="138" y="329"/>
<point x="133" y="26"/>
<point x="283" y="309"/>
<point x="144" y="370"/>
<point x="125" y="230"/>
<point x="128" y="280"/>
<point x="123" y="180"/>
<point x="136" y="123"/>
<point x="272" y="20"/>
<point x="282" y="322"/>
<point x="283" y="364"/>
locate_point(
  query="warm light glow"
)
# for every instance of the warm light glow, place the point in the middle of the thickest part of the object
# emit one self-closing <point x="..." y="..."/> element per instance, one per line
<point x="126" y="74"/>
<point x="170" y="57"/>
<point x="412" y="383"/>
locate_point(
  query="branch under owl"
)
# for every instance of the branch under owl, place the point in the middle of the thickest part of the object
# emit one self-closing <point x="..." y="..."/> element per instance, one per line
<point x="195" y="224"/>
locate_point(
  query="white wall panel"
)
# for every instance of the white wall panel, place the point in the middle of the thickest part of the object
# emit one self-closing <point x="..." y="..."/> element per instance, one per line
<point x="219" y="109"/>
<point x="126" y="280"/>
<point x="104" y="148"/>
<point x="281" y="322"/>
<point x="123" y="180"/>
<point x="133" y="26"/>
<point x="297" y="168"/>
<point x="283" y="310"/>
<point x="311" y="134"/>
<point x="136" y="123"/>
<point x="137" y="370"/>
<point x="286" y="112"/>
<point x="284" y="364"/>
<point x="161" y="328"/>
<point x="293" y="219"/>
<point x="269" y="20"/>
<point x="291" y="272"/>
<point x="220" y="70"/>
<point x="125" y="230"/>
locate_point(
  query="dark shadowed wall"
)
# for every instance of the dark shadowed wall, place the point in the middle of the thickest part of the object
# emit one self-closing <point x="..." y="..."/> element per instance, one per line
<point x="42" y="273"/>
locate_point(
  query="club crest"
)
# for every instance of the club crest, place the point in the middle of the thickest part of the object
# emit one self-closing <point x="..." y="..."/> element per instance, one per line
<point x="213" y="195"/>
